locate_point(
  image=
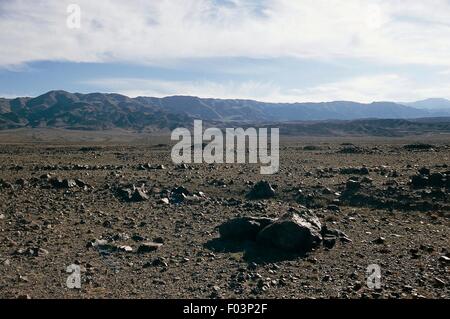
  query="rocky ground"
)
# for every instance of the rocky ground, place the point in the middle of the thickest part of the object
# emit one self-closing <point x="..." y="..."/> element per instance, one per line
<point x="142" y="227"/>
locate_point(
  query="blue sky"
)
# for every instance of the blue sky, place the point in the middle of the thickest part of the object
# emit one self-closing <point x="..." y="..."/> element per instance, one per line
<point x="272" y="50"/>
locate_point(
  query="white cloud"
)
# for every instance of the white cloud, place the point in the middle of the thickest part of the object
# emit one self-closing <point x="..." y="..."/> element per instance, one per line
<point x="391" y="31"/>
<point x="144" y="87"/>
<point x="383" y="87"/>
<point x="367" y="89"/>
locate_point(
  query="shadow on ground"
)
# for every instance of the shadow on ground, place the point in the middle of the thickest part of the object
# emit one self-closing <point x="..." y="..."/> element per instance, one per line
<point x="253" y="253"/>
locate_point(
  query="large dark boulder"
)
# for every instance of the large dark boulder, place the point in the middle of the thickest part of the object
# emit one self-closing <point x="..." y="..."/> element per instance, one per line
<point x="437" y="180"/>
<point x="419" y="181"/>
<point x="243" y="228"/>
<point x="295" y="231"/>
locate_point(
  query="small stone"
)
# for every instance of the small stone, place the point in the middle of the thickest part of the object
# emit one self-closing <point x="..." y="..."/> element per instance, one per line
<point x="107" y="224"/>
<point x="437" y="180"/>
<point x="379" y="241"/>
<point x="352" y="185"/>
<point x="139" y="195"/>
<point x="252" y="266"/>
<point x="357" y="286"/>
<point x="424" y="171"/>
<point x="334" y="208"/>
<point x="23" y="278"/>
<point x="419" y="181"/>
<point x="159" y="262"/>
<point x="137" y="237"/>
<point x="126" y="249"/>
<point x="261" y="190"/>
<point x="444" y="259"/>
<point x="148" y="247"/>
<point x="42" y="251"/>
<point x="329" y="242"/>
<point x="164" y="200"/>
<point x="69" y="183"/>
<point x="407" y="288"/>
<point x="439" y="282"/>
<point x="181" y="190"/>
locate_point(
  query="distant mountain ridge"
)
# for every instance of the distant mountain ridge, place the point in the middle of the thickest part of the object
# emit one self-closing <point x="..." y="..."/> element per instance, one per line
<point x="97" y="111"/>
<point x="430" y="104"/>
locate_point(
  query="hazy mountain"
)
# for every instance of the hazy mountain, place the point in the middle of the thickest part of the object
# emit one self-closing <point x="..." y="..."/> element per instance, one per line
<point x="103" y="111"/>
<point x="430" y="104"/>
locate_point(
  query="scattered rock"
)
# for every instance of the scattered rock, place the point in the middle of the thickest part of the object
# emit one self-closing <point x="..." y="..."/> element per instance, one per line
<point x="125" y="248"/>
<point x="32" y="252"/>
<point x="261" y="190"/>
<point x="133" y="193"/>
<point x="148" y="247"/>
<point x="419" y="181"/>
<point x="329" y="242"/>
<point x="418" y="146"/>
<point x="354" y="170"/>
<point x="102" y="245"/>
<point x="164" y="200"/>
<point x="139" y="195"/>
<point x="439" y="282"/>
<point x="351" y="150"/>
<point x="424" y="171"/>
<point x="352" y="185"/>
<point x="437" y="180"/>
<point x="379" y="240"/>
<point x="444" y="260"/>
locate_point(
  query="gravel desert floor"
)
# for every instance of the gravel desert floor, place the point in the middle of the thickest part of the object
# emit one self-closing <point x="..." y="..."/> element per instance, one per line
<point x="139" y="226"/>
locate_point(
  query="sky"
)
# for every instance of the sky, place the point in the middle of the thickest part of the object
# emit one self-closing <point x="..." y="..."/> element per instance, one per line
<point x="267" y="50"/>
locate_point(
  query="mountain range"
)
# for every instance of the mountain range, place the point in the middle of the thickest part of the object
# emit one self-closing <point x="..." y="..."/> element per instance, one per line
<point x="98" y="111"/>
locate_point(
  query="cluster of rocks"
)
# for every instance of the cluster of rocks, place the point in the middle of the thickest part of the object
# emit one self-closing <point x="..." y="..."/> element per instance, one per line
<point x="354" y="170"/>
<point x="312" y="148"/>
<point x="76" y="167"/>
<point x="31" y="252"/>
<point x="5" y="184"/>
<point x="58" y="182"/>
<point x="294" y="232"/>
<point x="351" y="149"/>
<point x="132" y="193"/>
<point x="176" y="195"/>
<point x="15" y="167"/>
<point x="148" y="166"/>
<point x="318" y="197"/>
<point x="46" y="181"/>
<point x="425" y="179"/>
<point x="180" y="195"/>
<point x="361" y="193"/>
<point x="108" y="246"/>
<point x="419" y="147"/>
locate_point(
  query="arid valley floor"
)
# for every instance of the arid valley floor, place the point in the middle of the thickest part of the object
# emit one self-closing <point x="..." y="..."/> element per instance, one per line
<point x="62" y="203"/>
